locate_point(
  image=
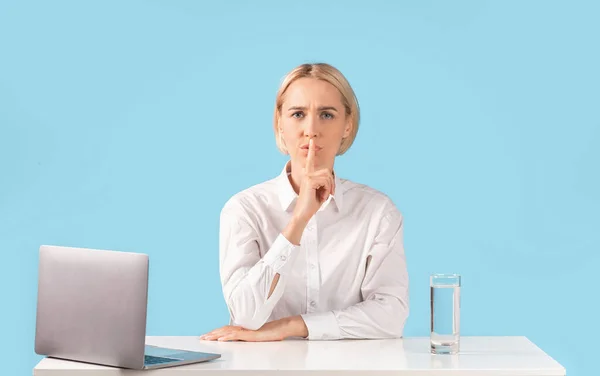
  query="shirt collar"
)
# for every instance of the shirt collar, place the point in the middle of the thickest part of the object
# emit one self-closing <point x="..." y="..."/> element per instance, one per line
<point x="287" y="195"/>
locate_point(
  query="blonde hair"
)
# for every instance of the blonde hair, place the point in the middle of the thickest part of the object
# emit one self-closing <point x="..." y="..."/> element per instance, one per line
<point x="324" y="72"/>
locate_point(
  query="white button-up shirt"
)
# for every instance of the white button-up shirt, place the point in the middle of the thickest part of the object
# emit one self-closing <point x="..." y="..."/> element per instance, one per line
<point x="347" y="278"/>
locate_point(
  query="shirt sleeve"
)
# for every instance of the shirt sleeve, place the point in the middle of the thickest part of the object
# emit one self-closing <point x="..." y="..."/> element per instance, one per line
<point x="384" y="309"/>
<point x="246" y="278"/>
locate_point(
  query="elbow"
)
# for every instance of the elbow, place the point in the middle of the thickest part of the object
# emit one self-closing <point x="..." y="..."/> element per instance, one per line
<point x="395" y="329"/>
<point x="248" y="307"/>
<point x="248" y="316"/>
<point x="397" y="317"/>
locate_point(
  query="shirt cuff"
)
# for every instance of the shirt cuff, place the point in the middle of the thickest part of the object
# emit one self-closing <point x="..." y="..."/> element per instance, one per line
<point x="281" y="255"/>
<point x="322" y="326"/>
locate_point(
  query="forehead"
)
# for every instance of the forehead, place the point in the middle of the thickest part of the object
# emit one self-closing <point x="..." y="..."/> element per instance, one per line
<point x="306" y="91"/>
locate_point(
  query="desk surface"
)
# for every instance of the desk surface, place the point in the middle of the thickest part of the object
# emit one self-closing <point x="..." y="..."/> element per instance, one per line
<point x="481" y="356"/>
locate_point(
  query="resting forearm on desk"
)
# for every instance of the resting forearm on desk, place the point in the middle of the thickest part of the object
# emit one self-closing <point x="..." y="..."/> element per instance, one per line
<point x="293" y="326"/>
<point x="377" y="318"/>
<point x="382" y="317"/>
<point x="384" y="289"/>
<point x="253" y="286"/>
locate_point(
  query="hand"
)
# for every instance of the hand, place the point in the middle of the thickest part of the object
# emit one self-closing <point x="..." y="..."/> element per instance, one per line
<point x="315" y="188"/>
<point x="276" y="330"/>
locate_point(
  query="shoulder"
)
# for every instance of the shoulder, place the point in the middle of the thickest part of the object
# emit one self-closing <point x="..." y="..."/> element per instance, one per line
<point x="252" y="198"/>
<point x="362" y="197"/>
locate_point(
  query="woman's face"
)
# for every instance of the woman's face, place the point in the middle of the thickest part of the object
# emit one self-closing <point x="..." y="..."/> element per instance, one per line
<point x="313" y="109"/>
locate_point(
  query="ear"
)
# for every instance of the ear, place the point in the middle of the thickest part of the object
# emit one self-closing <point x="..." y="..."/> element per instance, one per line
<point x="282" y="142"/>
<point x="348" y="127"/>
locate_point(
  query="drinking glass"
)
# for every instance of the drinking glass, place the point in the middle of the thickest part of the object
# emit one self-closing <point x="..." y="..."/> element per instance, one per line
<point x="445" y="313"/>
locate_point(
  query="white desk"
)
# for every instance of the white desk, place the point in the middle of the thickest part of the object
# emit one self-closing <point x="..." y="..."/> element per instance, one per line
<point x="480" y="356"/>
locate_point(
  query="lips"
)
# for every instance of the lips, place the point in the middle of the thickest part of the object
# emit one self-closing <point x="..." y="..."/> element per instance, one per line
<point x="305" y="147"/>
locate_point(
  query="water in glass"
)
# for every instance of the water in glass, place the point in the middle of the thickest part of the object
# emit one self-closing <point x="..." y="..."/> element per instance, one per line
<point x="445" y="313"/>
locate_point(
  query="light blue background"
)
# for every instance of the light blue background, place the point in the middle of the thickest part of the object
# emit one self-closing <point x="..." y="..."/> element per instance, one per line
<point x="127" y="125"/>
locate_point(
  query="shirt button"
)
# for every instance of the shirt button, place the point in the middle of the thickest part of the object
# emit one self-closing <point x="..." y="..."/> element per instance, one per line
<point x="313" y="303"/>
<point x="312" y="266"/>
<point x="283" y="258"/>
<point x="309" y="228"/>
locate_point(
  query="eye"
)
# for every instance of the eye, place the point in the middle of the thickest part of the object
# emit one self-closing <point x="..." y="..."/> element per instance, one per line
<point x="327" y="115"/>
<point x="298" y="114"/>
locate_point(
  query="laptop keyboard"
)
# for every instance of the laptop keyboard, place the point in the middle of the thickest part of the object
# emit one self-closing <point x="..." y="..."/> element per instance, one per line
<point x="150" y="360"/>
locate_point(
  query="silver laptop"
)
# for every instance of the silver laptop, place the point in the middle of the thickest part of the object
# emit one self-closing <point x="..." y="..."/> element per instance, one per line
<point x="91" y="308"/>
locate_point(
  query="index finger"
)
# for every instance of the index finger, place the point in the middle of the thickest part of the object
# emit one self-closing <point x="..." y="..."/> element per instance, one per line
<point x="310" y="159"/>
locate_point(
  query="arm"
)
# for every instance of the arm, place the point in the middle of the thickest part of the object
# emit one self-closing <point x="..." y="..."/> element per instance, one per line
<point x="252" y="286"/>
<point x="384" y="308"/>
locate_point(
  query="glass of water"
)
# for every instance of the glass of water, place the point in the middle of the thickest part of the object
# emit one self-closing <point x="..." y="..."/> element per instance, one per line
<point x="445" y="313"/>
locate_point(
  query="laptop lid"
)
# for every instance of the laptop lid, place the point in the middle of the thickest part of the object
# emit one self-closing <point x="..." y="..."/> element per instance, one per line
<point x="91" y="305"/>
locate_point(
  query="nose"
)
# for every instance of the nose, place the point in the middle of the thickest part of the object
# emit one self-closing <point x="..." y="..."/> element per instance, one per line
<point x="310" y="127"/>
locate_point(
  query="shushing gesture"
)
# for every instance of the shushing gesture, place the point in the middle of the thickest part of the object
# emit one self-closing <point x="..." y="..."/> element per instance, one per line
<point x="315" y="188"/>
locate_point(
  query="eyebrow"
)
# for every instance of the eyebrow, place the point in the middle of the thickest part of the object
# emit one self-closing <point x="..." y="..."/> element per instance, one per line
<point x="322" y="108"/>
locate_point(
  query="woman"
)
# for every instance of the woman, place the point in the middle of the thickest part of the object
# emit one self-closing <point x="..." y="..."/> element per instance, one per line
<point x="309" y="254"/>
